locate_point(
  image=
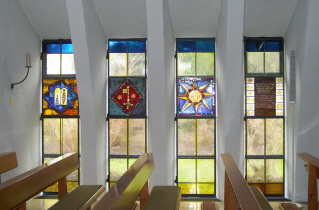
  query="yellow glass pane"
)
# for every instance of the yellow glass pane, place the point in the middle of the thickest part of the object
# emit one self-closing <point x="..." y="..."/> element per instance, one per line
<point x="205" y="136"/>
<point x="274" y="170"/>
<point x="272" y="62"/>
<point x="255" y="136"/>
<point x="136" y="136"/>
<point x="68" y="64"/>
<point x="205" y="170"/>
<point x="274" y="136"/>
<point x="186" y="170"/>
<point x="205" y="64"/>
<point x="51" y="136"/>
<point x="186" y="64"/>
<point x="52" y="188"/>
<point x="118" y="136"/>
<point x="70" y="135"/>
<point x="50" y="112"/>
<point x="71" y="186"/>
<point x="255" y="62"/>
<point x="186" y="136"/>
<point x="118" y="64"/>
<point x="206" y="188"/>
<point x="136" y="64"/>
<point x="118" y="166"/>
<point x="255" y="170"/>
<point x="274" y="189"/>
<point x="188" y="188"/>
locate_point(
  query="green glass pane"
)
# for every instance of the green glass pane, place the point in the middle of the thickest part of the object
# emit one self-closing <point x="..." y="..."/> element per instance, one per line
<point x="205" y="136"/>
<point x="187" y="188"/>
<point x="118" y="136"/>
<point x="255" y="62"/>
<point x="117" y="64"/>
<point x="205" y="170"/>
<point x="70" y="135"/>
<point x="274" y="170"/>
<point x="136" y="136"/>
<point x="255" y="136"/>
<point x="186" y="170"/>
<point x="274" y="137"/>
<point x="186" y="64"/>
<point x="272" y="62"/>
<point x="255" y="170"/>
<point x="51" y="136"/>
<point x="205" y="64"/>
<point x="118" y="166"/>
<point x="186" y="136"/>
<point x="68" y="64"/>
<point x="53" y="64"/>
<point x="206" y="188"/>
<point x="136" y="64"/>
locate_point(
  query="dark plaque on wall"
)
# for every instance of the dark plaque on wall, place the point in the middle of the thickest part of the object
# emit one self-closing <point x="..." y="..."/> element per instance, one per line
<point x="265" y="96"/>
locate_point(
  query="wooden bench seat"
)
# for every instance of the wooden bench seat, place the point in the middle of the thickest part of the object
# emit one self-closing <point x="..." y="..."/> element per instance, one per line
<point x="164" y="197"/>
<point x="8" y="161"/>
<point x="288" y="206"/>
<point x="18" y="190"/>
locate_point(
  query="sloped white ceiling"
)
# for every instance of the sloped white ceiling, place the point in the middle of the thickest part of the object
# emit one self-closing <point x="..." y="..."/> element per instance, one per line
<point x="190" y="18"/>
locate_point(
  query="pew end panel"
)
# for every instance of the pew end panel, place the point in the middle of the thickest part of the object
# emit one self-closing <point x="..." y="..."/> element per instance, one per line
<point x="8" y="161"/>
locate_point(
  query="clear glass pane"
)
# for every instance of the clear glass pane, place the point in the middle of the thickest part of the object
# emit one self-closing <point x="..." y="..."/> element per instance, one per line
<point x="272" y="62"/>
<point x="205" y="136"/>
<point x="186" y="136"/>
<point x="118" y="166"/>
<point x="68" y="64"/>
<point x="136" y="136"/>
<point x="186" y="64"/>
<point x="205" y="189"/>
<point x="136" y="64"/>
<point x="186" y="170"/>
<point x="74" y="176"/>
<point x="118" y="64"/>
<point x="255" y="62"/>
<point x="205" y="170"/>
<point x="53" y="64"/>
<point x="51" y="136"/>
<point x="255" y="136"/>
<point x="255" y="170"/>
<point x="274" y="170"/>
<point x="274" y="137"/>
<point x="187" y="188"/>
<point x="70" y="135"/>
<point x="205" y="64"/>
<point x="118" y="136"/>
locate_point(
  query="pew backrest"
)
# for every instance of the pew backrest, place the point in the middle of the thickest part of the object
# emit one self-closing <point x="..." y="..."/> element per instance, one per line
<point x="8" y="161"/>
<point x="132" y="183"/>
<point x="16" y="191"/>
<point x="238" y="194"/>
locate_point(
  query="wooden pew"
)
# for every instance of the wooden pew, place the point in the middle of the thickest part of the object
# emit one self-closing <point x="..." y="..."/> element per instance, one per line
<point x="164" y="197"/>
<point x="8" y="161"/>
<point x="14" y="193"/>
<point x="312" y="166"/>
<point x="133" y="183"/>
<point x="238" y="194"/>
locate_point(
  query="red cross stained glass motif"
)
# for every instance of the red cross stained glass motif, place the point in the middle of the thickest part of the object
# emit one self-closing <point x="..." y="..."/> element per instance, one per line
<point x="127" y="97"/>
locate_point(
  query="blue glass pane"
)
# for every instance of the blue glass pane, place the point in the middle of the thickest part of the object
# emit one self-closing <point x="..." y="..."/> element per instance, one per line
<point x="136" y="46"/>
<point x="53" y="48"/>
<point x="205" y="46"/>
<point x="186" y="46"/>
<point x="117" y="46"/>
<point x="67" y="48"/>
<point x="273" y="46"/>
<point x="250" y="46"/>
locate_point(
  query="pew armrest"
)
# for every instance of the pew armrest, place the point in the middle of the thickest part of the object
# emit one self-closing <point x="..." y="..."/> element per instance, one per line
<point x="261" y="199"/>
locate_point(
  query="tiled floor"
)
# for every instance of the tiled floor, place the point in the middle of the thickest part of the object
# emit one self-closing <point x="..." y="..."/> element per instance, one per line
<point x="42" y="204"/>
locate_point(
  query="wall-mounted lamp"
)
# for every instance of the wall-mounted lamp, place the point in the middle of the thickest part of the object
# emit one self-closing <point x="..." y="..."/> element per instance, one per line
<point x="27" y="65"/>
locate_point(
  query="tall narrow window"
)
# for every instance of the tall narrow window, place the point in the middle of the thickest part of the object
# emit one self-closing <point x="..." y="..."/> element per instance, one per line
<point x="265" y="114"/>
<point x="60" y="105"/>
<point x="195" y="104"/>
<point x="126" y="104"/>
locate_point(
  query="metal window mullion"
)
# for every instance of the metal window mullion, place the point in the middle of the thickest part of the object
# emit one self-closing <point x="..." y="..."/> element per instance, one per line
<point x="61" y="135"/>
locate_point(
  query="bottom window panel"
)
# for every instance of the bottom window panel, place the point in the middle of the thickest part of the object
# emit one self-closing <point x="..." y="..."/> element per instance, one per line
<point x="118" y="166"/>
<point x="272" y="189"/>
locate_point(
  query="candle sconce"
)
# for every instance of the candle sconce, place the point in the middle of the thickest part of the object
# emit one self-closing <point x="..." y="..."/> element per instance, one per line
<point x="27" y="65"/>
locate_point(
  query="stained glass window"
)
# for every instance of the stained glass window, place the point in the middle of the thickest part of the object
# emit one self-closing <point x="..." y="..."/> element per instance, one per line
<point x="195" y="104"/>
<point x="264" y="114"/>
<point x="60" y="105"/>
<point x="126" y="104"/>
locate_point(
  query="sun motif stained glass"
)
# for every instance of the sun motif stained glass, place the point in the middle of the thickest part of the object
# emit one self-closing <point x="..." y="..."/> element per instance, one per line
<point x="127" y="97"/>
<point x="196" y="96"/>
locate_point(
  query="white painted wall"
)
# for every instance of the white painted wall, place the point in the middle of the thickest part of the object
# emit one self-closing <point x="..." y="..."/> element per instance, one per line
<point x="19" y="123"/>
